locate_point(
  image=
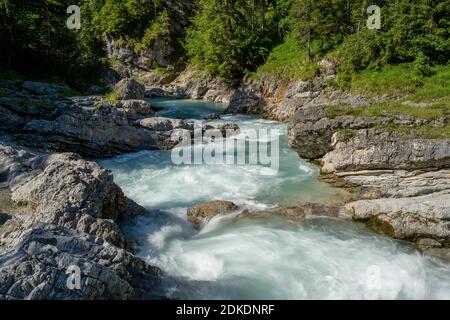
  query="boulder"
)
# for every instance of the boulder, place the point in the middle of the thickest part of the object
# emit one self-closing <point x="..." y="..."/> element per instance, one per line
<point x="68" y="218"/>
<point x="129" y="89"/>
<point x="42" y="88"/>
<point x="65" y="190"/>
<point x="198" y="215"/>
<point x="139" y="107"/>
<point x="410" y="218"/>
<point x="374" y="149"/>
<point x="164" y="124"/>
<point x="39" y="266"/>
<point x="297" y="213"/>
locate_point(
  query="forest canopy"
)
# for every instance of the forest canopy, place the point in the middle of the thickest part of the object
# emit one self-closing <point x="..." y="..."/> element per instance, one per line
<point x="228" y="39"/>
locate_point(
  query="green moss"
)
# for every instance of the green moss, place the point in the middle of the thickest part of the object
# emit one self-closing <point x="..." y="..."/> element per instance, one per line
<point x="424" y="131"/>
<point x="390" y="80"/>
<point x="347" y="134"/>
<point x="111" y="96"/>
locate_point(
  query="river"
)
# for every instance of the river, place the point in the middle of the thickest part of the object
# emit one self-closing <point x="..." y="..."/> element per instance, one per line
<point x="264" y="258"/>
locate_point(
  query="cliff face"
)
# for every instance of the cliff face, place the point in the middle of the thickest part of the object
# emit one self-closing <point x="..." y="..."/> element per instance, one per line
<point x="164" y="51"/>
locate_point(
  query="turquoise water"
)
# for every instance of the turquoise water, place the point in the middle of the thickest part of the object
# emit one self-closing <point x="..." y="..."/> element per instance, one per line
<point x="268" y="258"/>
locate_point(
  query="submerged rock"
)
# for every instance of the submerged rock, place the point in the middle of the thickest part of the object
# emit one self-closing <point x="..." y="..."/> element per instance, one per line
<point x="201" y="213"/>
<point x="298" y="213"/>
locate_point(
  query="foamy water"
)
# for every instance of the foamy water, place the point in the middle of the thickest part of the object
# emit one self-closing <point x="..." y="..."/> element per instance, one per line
<point x="267" y="258"/>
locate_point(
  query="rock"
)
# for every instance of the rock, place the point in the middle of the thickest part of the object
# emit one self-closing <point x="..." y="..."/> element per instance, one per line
<point x="129" y="89"/>
<point x="98" y="132"/>
<point x="426" y="243"/>
<point x="164" y="124"/>
<point x="158" y="93"/>
<point x="139" y="107"/>
<point x="69" y="214"/>
<point x="38" y="268"/>
<point x="90" y="126"/>
<point x="67" y="191"/>
<point x="310" y="130"/>
<point x="42" y="88"/>
<point x="110" y="78"/>
<point x="406" y="218"/>
<point x="198" y="215"/>
<point x="370" y="184"/>
<point x="297" y="213"/>
<point x="372" y="149"/>
<point x="214" y="116"/>
<point x="440" y="253"/>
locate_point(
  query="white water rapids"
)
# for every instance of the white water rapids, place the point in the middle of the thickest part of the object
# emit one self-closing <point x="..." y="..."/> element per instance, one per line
<point x="264" y="258"/>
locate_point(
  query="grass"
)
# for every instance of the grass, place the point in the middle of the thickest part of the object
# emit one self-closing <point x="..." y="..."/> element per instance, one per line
<point x="111" y="96"/>
<point x="396" y="108"/>
<point x="401" y="86"/>
<point x="347" y="134"/>
<point x="288" y="61"/>
<point x="394" y="81"/>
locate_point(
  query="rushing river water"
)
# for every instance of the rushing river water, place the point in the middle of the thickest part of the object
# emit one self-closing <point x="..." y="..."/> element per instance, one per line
<point x="265" y="258"/>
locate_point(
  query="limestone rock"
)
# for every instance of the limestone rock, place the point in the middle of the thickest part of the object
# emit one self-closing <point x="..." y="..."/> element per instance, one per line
<point x="129" y="89"/>
<point x="372" y="149"/>
<point x="38" y="268"/>
<point x="407" y="218"/>
<point x="69" y="214"/>
<point x="298" y="213"/>
<point x="201" y="213"/>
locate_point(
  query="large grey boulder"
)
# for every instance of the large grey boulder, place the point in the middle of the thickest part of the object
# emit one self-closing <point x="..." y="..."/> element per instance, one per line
<point x="65" y="190"/>
<point x="98" y="132"/>
<point x="66" y="214"/>
<point x="129" y="89"/>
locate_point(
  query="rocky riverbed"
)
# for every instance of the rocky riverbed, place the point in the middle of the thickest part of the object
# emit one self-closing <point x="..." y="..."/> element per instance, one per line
<point x="399" y="182"/>
<point x="59" y="209"/>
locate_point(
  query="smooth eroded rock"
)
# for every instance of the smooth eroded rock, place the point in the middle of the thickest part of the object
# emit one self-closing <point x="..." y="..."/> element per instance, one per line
<point x="201" y="213"/>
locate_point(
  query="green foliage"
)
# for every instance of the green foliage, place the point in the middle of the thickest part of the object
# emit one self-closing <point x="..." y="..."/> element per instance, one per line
<point x="158" y="30"/>
<point x="430" y="101"/>
<point x="288" y="61"/>
<point x="231" y="38"/>
<point x="412" y="30"/>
